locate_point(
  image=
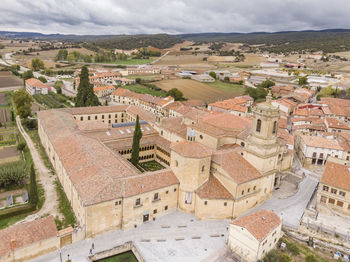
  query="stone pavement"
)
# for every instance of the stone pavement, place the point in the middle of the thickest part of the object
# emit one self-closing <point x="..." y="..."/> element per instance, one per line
<point x="177" y="236"/>
<point x="291" y="209"/>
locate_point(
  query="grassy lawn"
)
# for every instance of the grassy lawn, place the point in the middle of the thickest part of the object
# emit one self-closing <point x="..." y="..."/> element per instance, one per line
<point x="123" y="257"/>
<point x="11" y="220"/>
<point x="64" y="208"/>
<point x="137" y="88"/>
<point x="151" y="166"/>
<point x="228" y="87"/>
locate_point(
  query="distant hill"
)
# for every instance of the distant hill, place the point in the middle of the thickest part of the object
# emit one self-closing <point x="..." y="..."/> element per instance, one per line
<point x="330" y="40"/>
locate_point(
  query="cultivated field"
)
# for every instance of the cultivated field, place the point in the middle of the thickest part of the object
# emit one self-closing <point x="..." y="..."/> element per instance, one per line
<point x="7" y="79"/>
<point x="196" y="90"/>
<point x="8" y="154"/>
<point x="186" y="61"/>
<point x="5" y="116"/>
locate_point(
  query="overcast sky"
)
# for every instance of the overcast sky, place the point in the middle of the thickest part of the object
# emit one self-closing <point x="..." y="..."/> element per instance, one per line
<point x="171" y="16"/>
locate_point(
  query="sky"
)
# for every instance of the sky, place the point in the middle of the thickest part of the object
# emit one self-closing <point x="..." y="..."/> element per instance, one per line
<point x="171" y="16"/>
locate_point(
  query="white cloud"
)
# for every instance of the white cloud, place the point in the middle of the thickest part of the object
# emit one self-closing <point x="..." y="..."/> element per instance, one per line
<point x="171" y="16"/>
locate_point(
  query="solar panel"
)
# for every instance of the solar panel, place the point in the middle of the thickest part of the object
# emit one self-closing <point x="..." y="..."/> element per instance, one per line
<point x="127" y="130"/>
<point x="125" y="124"/>
<point x="108" y="133"/>
<point x="121" y="131"/>
<point x="25" y="196"/>
<point x="147" y="128"/>
<point x="142" y="129"/>
<point x="10" y="200"/>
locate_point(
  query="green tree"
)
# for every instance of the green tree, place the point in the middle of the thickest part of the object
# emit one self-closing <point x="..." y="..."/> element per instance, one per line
<point x="136" y="143"/>
<point x="33" y="190"/>
<point x="272" y="256"/>
<point x="58" y="86"/>
<point x="176" y="94"/>
<point x="37" y="64"/>
<point x="256" y="93"/>
<point x="267" y="83"/>
<point x="42" y="79"/>
<point x="61" y="55"/>
<point x="23" y="102"/>
<point x="71" y="58"/>
<point x="303" y="80"/>
<point x="212" y="74"/>
<point x="86" y="95"/>
<point x="27" y="74"/>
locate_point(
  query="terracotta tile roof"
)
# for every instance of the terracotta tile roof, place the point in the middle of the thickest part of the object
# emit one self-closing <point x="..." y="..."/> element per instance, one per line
<point x="282" y="123"/>
<point x="322" y="142"/>
<point x="103" y="88"/>
<point x="285" y="136"/>
<point x="260" y="224"/>
<point x="234" y="104"/>
<point x="92" y="125"/>
<point x="334" y="123"/>
<point x="37" y="83"/>
<point x="94" y="169"/>
<point x="227" y="121"/>
<point x="213" y="189"/>
<point x="143" y="114"/>
<point x="236" y="166"/>
<point x="25" y="234"/>
<point x="148" y="182"/>
<point x="191" y="149"/>
<point x="175" y="125"/>
<point x="122" y="92"/>
<point x="336" y="175"/>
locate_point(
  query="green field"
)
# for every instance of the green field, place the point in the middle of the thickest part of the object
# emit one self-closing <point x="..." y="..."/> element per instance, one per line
<point x="141" y="89"/>
<point x="228" y="87"/>
<point x="123" y="257"/>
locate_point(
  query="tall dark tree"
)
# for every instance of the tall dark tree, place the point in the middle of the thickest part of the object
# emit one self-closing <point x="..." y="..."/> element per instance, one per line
<point x="33" y="190"/>
<point x="136" y="143"/>
<point x="86" y="95"/>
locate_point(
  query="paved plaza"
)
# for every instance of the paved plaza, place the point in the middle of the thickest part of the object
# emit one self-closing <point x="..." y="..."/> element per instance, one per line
<point x="177" y="236"/>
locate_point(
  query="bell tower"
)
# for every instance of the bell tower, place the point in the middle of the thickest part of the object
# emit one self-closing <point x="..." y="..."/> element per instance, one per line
<point x="262" y="149"/>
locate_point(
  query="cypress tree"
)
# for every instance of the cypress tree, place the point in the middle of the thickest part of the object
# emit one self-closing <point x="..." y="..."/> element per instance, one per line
<point x="86" y="95"/>
<point x="136" y="143"/>
<point x="33" y="190"/>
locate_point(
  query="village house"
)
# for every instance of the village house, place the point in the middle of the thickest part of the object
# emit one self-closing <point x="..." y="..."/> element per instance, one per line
<point x="35" y="86"/>
<point x="28" y="240"/>
<point x="237" y="106"/>
<point x="334" y="188"/>
<point x="102" y="91"/>
<point x="314" y="150"/>
<point x="254" y="235"/>
<point x="203" y="78"/>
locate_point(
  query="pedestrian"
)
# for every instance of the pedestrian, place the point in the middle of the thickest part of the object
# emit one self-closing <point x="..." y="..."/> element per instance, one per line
<point x="90" y="251"/>
<point x="93" y="245"/>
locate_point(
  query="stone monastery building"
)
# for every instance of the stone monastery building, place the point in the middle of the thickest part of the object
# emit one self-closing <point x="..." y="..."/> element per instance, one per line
<point x="216" y="165"/>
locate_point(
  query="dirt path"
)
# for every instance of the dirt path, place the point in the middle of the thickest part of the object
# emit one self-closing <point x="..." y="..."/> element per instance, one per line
<point x="44" y="177"/>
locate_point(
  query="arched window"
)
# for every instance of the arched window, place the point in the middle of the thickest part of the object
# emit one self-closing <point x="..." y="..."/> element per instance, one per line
<point x="258" y="125"/>
<point x="274" y="127"/>
<point x="202" y="168"/>
<point x="242" y="144"/>
<point x="176" y="163"/>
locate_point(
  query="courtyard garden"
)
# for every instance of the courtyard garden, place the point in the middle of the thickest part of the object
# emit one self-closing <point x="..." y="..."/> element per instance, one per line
<point x="151" y="166"/>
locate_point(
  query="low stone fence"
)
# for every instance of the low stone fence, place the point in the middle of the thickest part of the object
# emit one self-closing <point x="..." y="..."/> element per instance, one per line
<point x="128" y="246"/>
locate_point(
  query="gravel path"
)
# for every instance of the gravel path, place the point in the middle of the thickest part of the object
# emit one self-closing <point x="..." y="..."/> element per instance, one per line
<point x="44" y="177"/>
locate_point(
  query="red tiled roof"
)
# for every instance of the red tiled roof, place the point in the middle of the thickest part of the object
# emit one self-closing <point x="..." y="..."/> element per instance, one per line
<point x="25" y="234"/>
<point x="260" y="224"/>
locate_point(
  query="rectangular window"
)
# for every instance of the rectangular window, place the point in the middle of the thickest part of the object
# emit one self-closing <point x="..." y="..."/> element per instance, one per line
<point x="138" y="202"/>
<point x="333" y="191"/>
<point x="340" y="204"/>
<point x="188" y="198"/>
<point x="81" y="118"/>
<point x="331" y="201"/>
<point x="225" y="203"/>
<point x="155" y="197"/>
<point x="323" y="199"/>
<point x="166" y="208"/>
<point x="342" y="193"/>
<point x="205" y="202"/>
<point x="166" y="192"/>
<point x="155" y="211"/>
<point x="103" y="116"/>
<point x="325" y="188"/>
<point x="95" y="117"/>
<point x="88" y="117"/>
